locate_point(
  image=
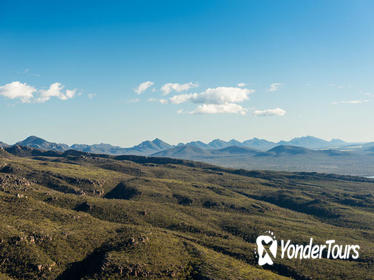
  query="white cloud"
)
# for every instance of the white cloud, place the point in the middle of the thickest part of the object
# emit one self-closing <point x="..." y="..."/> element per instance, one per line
<point x="55" y="90"/>
<point x="230" y="108"/>
<point x="26" y="93"/>
<point x="350" y="102"/>
<point x="91" y="95"/>
<point x="274" y="87"/>
<point x="218" y="95"/>
<point x="242" y="84"/>
<point x="143" y="87"/>
<point x="19" y="90"/>
<point x="169" y="87"/>
<point x="269" y="112"/>
<point x="163" y="101"/>
<point x="216" y="100"/>
<point x="182" y="98"/>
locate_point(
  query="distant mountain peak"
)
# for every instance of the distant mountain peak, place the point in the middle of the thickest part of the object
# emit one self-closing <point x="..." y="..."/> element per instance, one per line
<point x="217" y="143"/>
<point x="159" y="142"/>
<point x="40" y="143"/>
<point x="33" y="139"/>
<point x="235" y="142"/>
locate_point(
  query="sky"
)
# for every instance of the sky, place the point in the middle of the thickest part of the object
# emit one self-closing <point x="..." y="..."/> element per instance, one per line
<point x="121" y="72"/>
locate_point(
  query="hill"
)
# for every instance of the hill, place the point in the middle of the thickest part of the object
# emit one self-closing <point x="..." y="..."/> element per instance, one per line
<point x="235" y="150"/>
<point x="76" y="215"/>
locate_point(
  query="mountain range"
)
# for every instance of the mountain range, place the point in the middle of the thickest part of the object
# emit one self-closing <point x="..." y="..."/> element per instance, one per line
<point x="157" y="145"/>
<point x="299" y="154"/>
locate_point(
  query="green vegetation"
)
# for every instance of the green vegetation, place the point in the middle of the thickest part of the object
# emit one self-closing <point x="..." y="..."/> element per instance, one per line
<point x="82" y="216"/>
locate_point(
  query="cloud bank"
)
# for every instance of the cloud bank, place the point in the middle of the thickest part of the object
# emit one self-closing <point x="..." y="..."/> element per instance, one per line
<point x="216" y="100"/>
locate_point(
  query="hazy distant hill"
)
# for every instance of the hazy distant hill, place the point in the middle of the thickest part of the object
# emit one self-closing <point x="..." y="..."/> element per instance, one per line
<point x="283" y="157"/>
<point x="367" y="147"/>
<point x="311" y="142"/>
<point x="235" y="150"/>
<point x="288" y="150"/>
<point x="307" y="141"/>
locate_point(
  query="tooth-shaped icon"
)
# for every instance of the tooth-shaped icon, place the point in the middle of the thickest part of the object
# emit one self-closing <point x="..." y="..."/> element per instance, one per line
<point x="263" y="255"/>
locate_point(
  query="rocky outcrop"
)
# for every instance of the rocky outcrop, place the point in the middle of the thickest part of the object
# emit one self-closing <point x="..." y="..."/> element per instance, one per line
<point x="11" y="183"/>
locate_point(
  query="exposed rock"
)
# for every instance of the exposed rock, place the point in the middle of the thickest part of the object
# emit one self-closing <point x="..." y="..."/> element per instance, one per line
<point x="143" y="213"/>
<point x="12" y="183"/>
<point x="122" y="191"/>
<point x="182" y="200"/>
<point x="8" y="169"/>
<point x="84" y="207"/>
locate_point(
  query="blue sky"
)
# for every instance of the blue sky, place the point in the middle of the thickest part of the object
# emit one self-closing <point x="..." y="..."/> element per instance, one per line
<point x="70" y="70"/>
